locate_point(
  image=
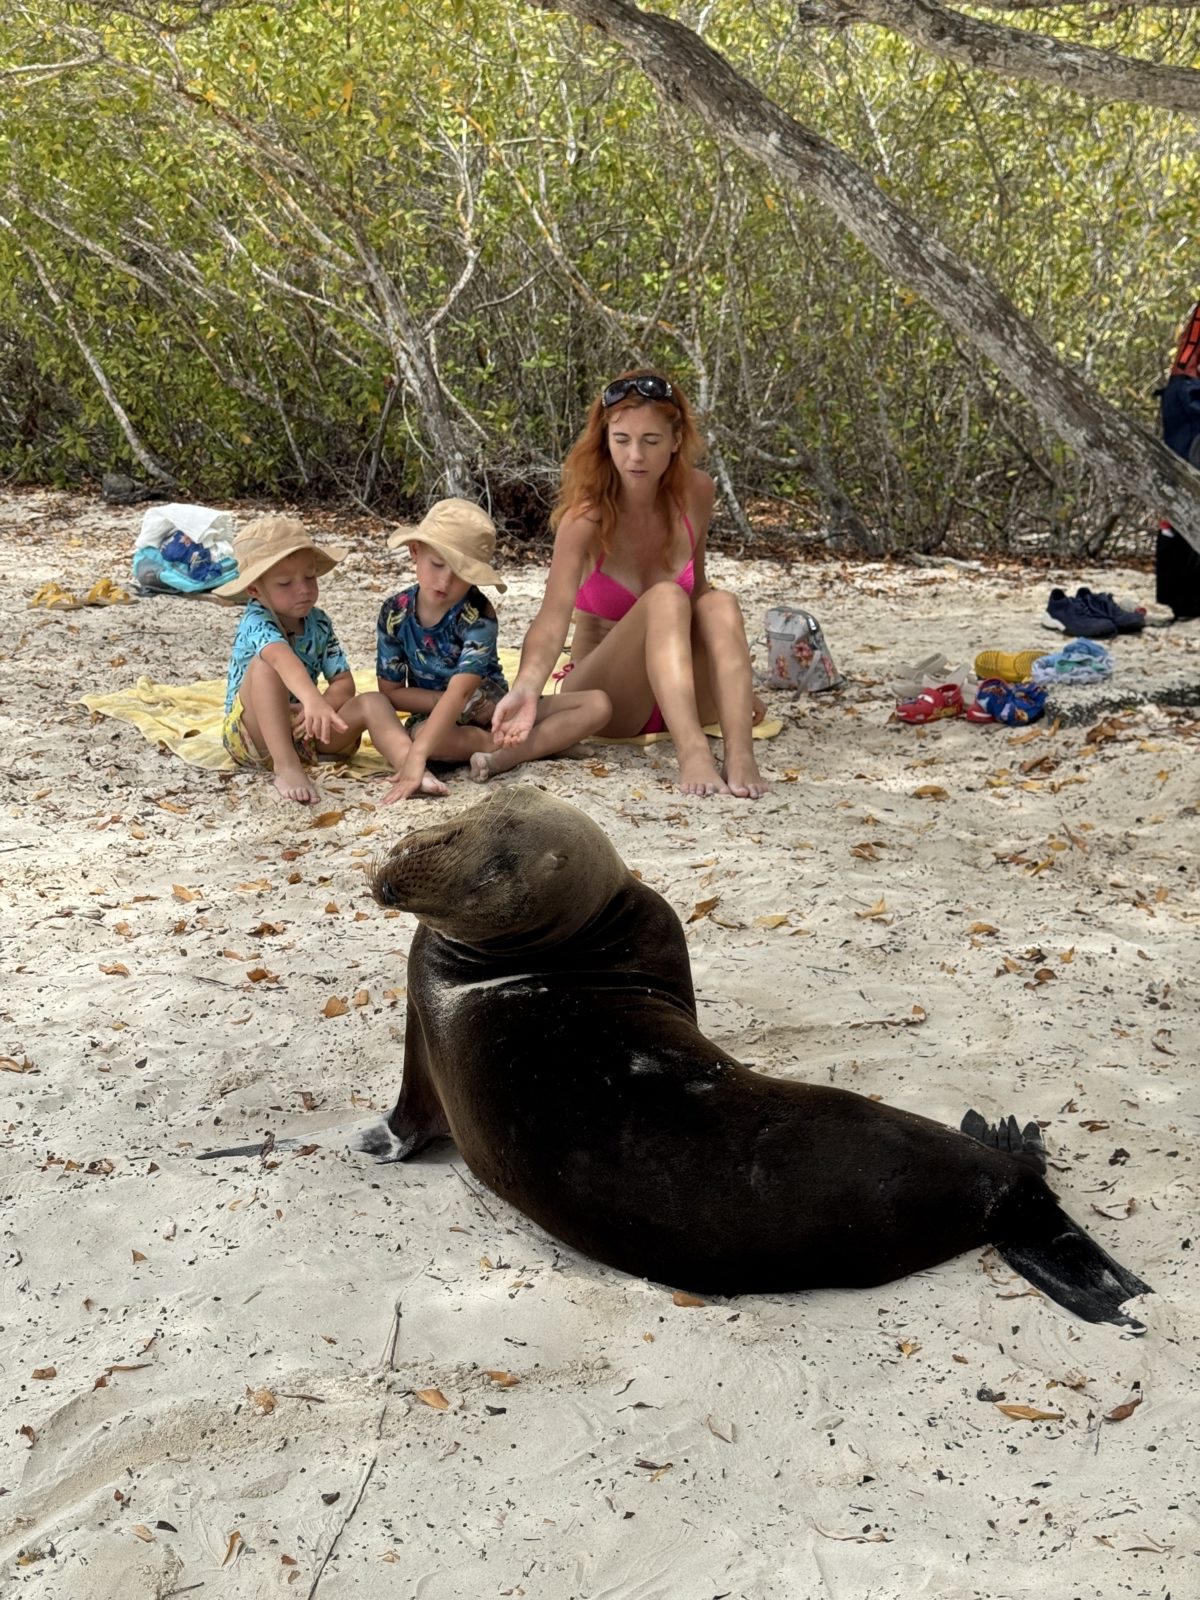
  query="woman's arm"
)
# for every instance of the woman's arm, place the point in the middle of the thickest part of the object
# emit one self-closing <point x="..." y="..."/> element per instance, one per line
<point x="540" y="649"/>
<point x="700" y="508"/>
<point x="548" y="631"/>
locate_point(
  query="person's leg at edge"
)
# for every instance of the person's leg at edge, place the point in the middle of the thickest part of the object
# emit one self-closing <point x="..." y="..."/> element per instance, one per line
<point x="374" y="713"/>
<point x="562" y="720"/>
<point x="723" y="666"/>
<point x="268" y="721"/>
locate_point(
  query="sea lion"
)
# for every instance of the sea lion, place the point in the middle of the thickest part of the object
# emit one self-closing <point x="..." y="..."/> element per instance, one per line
<point x="552" y="1034"/>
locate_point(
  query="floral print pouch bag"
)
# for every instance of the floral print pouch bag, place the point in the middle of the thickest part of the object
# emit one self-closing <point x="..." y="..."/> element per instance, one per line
<point x="797" y="656"/>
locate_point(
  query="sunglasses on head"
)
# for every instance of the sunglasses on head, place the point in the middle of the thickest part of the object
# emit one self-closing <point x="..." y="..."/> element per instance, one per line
<point x="648" y="385"/>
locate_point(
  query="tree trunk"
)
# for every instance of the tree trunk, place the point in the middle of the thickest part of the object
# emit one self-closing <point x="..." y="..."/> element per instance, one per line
<point x="688" y="71"/>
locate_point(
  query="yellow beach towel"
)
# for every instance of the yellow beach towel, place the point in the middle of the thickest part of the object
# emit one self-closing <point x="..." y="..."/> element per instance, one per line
<point x="186" y="719"/>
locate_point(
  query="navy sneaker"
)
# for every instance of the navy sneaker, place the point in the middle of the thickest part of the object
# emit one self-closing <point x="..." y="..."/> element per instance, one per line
<point x="1104" y="605"/>
<point x="1077" y="616"/>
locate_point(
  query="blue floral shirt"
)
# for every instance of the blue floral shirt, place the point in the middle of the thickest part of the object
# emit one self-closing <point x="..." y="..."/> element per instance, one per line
<point x="408" y="653"/>
<point x="316" y="644"/>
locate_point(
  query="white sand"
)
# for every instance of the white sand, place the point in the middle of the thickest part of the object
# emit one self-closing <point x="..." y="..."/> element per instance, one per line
<point x="238" y="1345"/>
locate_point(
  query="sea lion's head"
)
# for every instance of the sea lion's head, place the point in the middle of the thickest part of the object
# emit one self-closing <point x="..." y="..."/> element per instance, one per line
<point x="519" y="870"/>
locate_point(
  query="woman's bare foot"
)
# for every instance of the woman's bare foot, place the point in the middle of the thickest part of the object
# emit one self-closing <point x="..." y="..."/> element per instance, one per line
<point x="294" y="784"/>
<point x="744" y="779"/>
<point x="698" y="775"/>
<point x="481" y="767"/>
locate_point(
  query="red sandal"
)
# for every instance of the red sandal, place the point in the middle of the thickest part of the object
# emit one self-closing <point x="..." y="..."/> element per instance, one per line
<point x="930" y="704"/>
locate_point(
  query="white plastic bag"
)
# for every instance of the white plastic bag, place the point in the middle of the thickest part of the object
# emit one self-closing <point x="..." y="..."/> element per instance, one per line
<point x="212" y="528"/>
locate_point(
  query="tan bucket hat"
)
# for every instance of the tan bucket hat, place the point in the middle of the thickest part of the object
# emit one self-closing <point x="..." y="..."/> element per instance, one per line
<point x="464" y="536"/>
<point x="266" y="540"/>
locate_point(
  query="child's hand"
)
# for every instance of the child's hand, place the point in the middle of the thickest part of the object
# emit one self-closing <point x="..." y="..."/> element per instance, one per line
<point x="514" y="717"/>
<point x="411" y="777"/>
<point x="319" y="720"/>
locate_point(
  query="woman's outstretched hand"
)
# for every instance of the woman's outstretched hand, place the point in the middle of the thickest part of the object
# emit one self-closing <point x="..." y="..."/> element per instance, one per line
<point x="513" y="717"/>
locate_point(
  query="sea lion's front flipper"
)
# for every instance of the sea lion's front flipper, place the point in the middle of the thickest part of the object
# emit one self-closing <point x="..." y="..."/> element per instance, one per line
<point x="417" y="1118"/>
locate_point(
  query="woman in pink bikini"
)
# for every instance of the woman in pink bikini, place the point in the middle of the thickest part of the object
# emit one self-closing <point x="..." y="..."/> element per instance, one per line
<point x="669" y="651"/>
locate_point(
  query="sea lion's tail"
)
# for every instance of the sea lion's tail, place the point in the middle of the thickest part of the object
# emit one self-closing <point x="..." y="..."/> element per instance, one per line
<point x="1067" y="1264"/>
<point x="1039" y="1239"/>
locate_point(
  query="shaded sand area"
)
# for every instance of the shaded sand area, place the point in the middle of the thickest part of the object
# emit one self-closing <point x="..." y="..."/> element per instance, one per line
<point x="303" y="1373"/>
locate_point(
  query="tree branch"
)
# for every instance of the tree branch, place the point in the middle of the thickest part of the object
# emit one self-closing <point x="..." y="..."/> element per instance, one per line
<point x="139" y="451"/>
<point x="688" y="71"/>
<point x="1101" y="75"/>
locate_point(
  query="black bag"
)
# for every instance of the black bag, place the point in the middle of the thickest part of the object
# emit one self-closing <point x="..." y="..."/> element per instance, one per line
<point x="1176" y="563"/>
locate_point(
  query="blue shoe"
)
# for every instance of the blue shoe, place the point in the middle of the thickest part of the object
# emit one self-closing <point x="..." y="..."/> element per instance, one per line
<point x="1105" y="606"/>
<point x="1077" y="616"/>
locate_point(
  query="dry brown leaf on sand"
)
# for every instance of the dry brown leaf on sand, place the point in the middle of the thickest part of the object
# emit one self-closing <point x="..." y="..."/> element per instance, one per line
<point x="1124" y="1410"/>
<point x="327" y="819"/>
<point x="433" y="1398"/>
<point x="504" y="1380"/>
<point x="703" y="907"/>
<point x="335" y="1006"/>
<point x="682" y="1298"/>
<point x="11" y="1064"/>
<point x="930" y="791"/>
<point x="1030" y="1413"/>
<point x="232" y="1548"/>
<point x="878" y="910"/>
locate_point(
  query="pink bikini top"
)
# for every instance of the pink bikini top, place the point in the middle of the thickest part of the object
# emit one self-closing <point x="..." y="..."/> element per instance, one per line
<point x="602" y="596"/>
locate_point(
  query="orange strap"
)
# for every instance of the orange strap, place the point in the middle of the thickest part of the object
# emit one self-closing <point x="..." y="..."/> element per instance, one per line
<point x="1187" y="356"/>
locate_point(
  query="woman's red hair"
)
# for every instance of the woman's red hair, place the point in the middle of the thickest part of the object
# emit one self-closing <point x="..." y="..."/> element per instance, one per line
<point x="589" y="477"/>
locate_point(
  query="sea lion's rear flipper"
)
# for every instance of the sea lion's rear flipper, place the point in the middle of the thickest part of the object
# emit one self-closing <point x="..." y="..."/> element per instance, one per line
<point x="417" y="1118"/>
<point x="1006" y="1135"/>
<point x="1069" y="1266"/>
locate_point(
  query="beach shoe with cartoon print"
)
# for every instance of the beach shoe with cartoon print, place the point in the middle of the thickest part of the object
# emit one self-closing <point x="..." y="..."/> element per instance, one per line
<point x="932" y="704"/>
<point x="1015" y="705"/>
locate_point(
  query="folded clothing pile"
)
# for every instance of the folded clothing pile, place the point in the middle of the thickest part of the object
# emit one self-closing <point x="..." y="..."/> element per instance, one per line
<point x="1081" y="661"/>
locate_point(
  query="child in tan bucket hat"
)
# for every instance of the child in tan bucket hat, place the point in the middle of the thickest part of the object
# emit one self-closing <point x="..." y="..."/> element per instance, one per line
<point x="437" y="657"/>
<point x="276" y="718"/>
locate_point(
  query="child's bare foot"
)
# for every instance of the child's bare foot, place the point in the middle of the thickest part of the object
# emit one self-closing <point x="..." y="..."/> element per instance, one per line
<point x="744" y="779"/>
<point x="481" y="767"/>
<point x="698" y="775"/>
<point x="293" y="784"/>
<point x="432" y="785"/>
